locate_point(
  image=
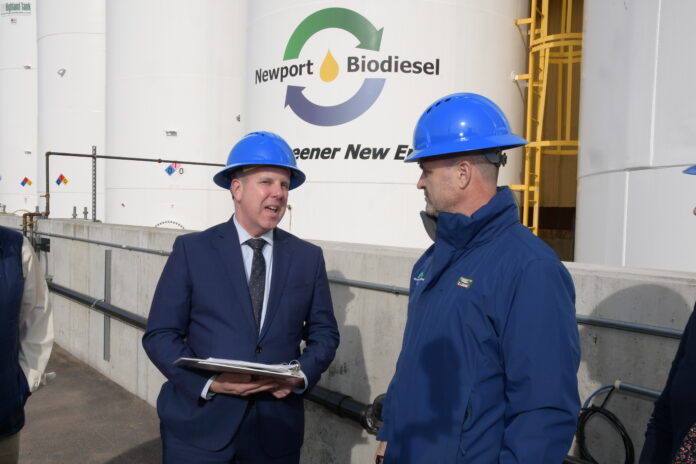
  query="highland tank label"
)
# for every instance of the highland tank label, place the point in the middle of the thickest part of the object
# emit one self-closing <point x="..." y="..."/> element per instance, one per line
<point x="15" y="8"/>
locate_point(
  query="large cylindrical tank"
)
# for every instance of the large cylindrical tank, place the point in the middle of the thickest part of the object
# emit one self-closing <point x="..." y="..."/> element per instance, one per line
<point x="637" y="126"/>
<point x="174" y="91"/>
<point x="18" y="156"/>
<point x="71" y="101"/>
<point x="345" y="84"/>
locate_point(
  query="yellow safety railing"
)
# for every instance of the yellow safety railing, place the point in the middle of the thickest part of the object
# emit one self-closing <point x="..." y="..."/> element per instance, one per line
<point x="552" y="44"/>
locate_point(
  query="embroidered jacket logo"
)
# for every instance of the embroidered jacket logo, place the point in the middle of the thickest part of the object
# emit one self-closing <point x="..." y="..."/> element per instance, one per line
<point x="464" y="282"/>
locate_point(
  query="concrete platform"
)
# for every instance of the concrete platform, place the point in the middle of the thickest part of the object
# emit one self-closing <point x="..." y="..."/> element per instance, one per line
<point x="83" y="417"/>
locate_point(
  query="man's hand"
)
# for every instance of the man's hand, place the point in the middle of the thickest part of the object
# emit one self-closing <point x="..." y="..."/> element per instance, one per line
<point x="230" y="383"/>
<point x="283" y="387"/>
<point x="381" y="449"/>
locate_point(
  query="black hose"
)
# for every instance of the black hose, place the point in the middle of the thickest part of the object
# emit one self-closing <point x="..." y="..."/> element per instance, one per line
<point x="586" y="413"/>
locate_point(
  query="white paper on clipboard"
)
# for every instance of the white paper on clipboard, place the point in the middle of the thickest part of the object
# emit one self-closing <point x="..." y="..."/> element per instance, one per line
<point x="291" y="370"/>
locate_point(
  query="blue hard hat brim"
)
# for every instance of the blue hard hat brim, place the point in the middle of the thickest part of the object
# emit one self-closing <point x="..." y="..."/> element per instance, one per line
<point x="503" y="142"/>
<point x="690" y="170"/>
<point x="224" y="178"/>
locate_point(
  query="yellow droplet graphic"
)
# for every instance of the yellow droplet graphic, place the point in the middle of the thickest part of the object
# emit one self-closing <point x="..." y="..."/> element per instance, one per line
<point x="329" y="68"/>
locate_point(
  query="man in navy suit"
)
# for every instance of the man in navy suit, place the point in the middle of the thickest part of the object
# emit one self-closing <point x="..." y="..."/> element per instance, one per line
<point x="242" y="290"/>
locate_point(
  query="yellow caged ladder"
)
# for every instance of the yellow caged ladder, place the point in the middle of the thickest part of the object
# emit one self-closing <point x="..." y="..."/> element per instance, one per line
<point x="552" y="95"/>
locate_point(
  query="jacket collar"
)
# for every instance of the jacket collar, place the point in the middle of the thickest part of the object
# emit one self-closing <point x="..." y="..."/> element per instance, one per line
<point x="458" y="231"/>
<point x="227" y="243"/>
<point x="244" y="235"/>
<point x="281" y="268"/>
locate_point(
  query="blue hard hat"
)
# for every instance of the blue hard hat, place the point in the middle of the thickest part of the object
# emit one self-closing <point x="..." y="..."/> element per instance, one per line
<point x="260" y="149"/>
<point x="690" y="170"/>
<point x="462" y="122"/>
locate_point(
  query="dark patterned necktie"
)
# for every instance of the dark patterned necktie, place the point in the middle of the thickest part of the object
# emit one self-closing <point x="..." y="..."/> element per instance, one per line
<point x="257" y="279"/>
<point x="686" y="454"/>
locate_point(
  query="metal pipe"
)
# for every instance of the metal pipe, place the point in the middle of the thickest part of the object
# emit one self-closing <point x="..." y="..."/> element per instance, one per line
<point x="370" y="285"/>
<point x="341" y="405"/>
<point x="130" y="158"/>
<point x="574" y="460"/>
<point x="94" y="158"/>
<point x="94" y="183"/>
<point x="106" y="352"/>
<point x="629" y="326"/>
<point x="581" y="319"/>
<point x="107" y="244"/>
<point x="25" y="221"/>
<point x="100" y="305"/>
<point x="47" y="194"/>
<point x="637" y="389"/>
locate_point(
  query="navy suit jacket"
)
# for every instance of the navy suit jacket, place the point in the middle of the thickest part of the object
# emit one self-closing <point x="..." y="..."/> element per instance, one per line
<point x="675" y="409"/>
<point x="202" y="309"/>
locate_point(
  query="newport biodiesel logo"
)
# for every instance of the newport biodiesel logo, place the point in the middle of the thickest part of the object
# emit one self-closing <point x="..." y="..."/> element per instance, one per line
<point x="298" y="68"/>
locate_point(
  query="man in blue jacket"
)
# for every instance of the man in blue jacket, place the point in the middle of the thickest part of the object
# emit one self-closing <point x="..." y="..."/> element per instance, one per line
<point x="487" y="370"/>
<point x="243" y="290"/>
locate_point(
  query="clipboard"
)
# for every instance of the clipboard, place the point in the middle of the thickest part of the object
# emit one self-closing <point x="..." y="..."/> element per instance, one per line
<point x="282" y="371"/>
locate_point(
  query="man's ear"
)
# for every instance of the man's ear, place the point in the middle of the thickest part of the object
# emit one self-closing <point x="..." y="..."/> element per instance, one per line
<point x="464" y="173"/>
<point x="236" y="188"/>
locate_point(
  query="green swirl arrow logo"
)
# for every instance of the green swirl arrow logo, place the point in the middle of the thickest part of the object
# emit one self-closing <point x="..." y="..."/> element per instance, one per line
<point x="369" y="38"/>
<point x="339" y="18"/>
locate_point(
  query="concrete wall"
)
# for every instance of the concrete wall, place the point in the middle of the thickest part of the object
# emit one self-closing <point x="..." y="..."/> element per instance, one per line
<point x="371" y="325"/>
<point x="657" y="298"/>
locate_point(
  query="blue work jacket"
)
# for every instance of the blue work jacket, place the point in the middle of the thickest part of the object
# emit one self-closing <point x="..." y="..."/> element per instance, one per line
<point x="487" y="370"/>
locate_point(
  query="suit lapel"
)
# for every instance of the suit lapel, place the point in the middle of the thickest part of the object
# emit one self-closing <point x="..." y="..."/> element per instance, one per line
<point x="281" y="268"/>
<point x="229" y="251"/>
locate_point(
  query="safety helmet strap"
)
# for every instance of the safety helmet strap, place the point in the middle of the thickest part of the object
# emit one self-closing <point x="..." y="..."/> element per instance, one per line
<point x="496" y="157"/>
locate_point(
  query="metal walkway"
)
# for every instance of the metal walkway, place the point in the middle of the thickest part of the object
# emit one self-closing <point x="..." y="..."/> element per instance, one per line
<point x="83" y="417"/>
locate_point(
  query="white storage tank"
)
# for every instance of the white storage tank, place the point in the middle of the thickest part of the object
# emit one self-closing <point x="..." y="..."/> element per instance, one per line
<point x="18" y="156"/>
<point x="173" y="91"/>
<point x="345" y="83"/>
<point x="71" y="83"/>
<point x="637" y="130"/>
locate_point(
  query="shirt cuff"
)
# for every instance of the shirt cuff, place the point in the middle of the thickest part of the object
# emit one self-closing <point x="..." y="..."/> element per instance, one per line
<point x="206" y="394"/>
<point x="301" y="390"/>
<point x="33" y="379"/>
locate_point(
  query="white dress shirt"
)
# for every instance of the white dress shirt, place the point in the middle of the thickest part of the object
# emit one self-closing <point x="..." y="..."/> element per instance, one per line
<point x="247" y="257"/>
<point x="35" y="320"/>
